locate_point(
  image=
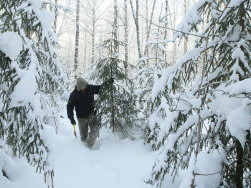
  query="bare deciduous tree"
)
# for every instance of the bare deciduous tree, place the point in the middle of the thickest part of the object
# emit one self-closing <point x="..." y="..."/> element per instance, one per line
<point x="126" y="30"/>
<point x="76" y="39"/>
<point x="136" y="21"/>
<point x="149" y="25"/>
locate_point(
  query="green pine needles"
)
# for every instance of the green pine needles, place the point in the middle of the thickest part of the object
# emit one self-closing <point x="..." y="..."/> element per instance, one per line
<point x="200" y="99"/>
<point x="116" y="104"/>
<point x="28" y="81"/>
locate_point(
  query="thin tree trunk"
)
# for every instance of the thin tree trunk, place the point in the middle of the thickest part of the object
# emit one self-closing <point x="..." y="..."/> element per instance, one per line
<point x="51" y="9"/>
<point x="239" y="165"/>
<point x="174" y="52"/>
<point x="137" y="26"/>
<point x="173" y="23"/>
<point x="56" y="16"/>
<point x="114" y="53"/>
<point x="239" y="149"/>
<point x="136" y="21"/>
<point x="115" y="33"/>
<point x="165" y="32"/>
<point x="126" y="31"/>
<point x="197" y="149"/>
<point x="147" y="22"/>
<point x="112" y="100"/>
<point x="199" y="127"/>
<point x="76" y="39"/>
<point x="93" y="28"/>
<point x="149" y="27"/>
<point x="185" y="39"/>
<point x="85" y="51"/>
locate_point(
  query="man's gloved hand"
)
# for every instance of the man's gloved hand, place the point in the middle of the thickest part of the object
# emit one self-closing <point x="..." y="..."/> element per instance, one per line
<point x="108" y="82"/>
<point x="73" y="122"/>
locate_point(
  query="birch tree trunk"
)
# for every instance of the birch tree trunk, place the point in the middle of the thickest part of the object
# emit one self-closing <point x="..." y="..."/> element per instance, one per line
<point x="76" y="40"/>
<point x="56" y="16"/>
<point x="126" y="31"/>
<point x="166" y="24"/>
<point x="115" y="32"/>
<point x="94" y="4"/>
<point x="136" y="21"/>
<point x="147" y="21"/>
<point x="185" y="38"/>
<point x="149" y="27"/>
<point x="173" y="23"/>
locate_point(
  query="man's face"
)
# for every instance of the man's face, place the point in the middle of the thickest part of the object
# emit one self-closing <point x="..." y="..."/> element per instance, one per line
<point x="83" y="88"/>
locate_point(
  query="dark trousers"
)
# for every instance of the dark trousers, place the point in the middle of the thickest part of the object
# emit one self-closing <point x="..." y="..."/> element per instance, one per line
<point x="84" y="125"/>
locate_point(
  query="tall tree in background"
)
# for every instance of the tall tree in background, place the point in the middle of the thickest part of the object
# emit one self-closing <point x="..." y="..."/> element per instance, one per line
<point x="173" y="6"/>
<point x="135" y="13"/>
<point x="93" y="14"/>
<point x="164" y="19"/>
<point x="146" y="21"/>
<point x="76" y="40"/>
<point x="115" y="104"/>
<point x="186" y="6"/>
<point x="149" y="26"/>
<point x="30" y="84"/>
<point x="200" y="100"/>
<point x="94" y="4"/>
<point x="115" y="28"/>
<point x="56" y="16"/>
<point x="126" y="30"/>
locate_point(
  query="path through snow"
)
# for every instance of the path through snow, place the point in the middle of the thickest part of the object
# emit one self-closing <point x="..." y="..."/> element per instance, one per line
<point x="115" y="164"/>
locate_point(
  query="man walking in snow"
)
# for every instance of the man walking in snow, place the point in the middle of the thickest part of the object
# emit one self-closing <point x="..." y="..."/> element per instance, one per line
<point x="82" y="99"/>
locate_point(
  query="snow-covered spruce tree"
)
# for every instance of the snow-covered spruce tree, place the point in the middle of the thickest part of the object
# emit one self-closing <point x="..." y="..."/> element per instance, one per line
<point x="116" y="103"/>
<point x="202" y="108"/>
<point x="31" y="81"/>
<point x="149" y="71"/>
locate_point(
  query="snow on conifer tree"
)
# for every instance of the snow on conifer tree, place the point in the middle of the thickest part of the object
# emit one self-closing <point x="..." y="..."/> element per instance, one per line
<point x="31" y="81"/>
<point x="201" y="117"/>
<point x="115" y="104"/>
<point x="149" y="70"/>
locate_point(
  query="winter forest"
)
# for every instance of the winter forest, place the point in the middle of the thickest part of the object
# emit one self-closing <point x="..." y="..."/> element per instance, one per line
<point x="177" y="115"/>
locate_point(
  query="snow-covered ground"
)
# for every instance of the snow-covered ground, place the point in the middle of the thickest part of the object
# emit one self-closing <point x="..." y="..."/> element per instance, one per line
<point x="114" y="163"/>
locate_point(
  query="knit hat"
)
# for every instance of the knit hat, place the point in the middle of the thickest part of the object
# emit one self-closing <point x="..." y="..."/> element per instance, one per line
<point x="81" y="83"/>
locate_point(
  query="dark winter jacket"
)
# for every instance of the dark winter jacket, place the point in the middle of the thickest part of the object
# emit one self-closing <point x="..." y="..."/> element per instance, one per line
<point x="82" y="101"/>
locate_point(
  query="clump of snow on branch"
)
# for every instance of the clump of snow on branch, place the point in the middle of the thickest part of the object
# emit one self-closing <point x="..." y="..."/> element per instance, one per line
<point x="11" y="44"/>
